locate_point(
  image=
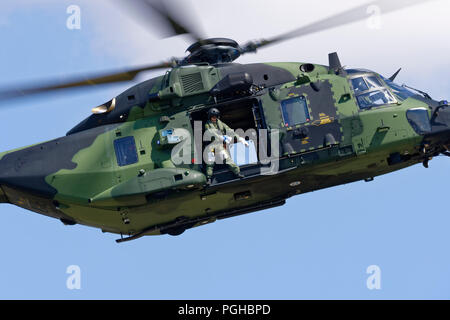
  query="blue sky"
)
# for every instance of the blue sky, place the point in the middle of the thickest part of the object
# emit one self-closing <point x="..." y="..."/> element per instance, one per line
<point x="318" y="245"/>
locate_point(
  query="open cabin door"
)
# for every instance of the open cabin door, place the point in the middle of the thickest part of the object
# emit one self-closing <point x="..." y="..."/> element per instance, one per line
<point x="244" y="117"/>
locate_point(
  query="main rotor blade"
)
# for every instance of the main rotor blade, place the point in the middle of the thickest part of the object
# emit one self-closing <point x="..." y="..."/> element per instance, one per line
<point x="172" y="18"/>
<point x="106" y="78"/>
<point x="346" y="17"/>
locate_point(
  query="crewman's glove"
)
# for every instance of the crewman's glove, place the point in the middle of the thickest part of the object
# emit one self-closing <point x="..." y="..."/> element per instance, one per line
<point x="226" y="139"/>
<point x="242" y="140"/>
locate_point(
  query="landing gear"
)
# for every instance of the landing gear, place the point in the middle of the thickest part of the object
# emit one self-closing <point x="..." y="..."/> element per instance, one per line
<point x="426" y="162"/>
<point x="180" y="225"/>
<point x="176" y="231"/>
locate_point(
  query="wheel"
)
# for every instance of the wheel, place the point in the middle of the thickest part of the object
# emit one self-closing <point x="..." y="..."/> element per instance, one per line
<point x="176" y="231"/>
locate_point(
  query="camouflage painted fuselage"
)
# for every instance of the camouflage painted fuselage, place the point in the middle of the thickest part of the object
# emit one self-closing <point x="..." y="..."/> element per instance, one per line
<point x="79" y="178"/>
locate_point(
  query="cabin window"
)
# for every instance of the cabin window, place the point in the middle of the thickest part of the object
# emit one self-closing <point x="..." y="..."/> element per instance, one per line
<point x="295" y="111"/>
<point x="126" y="153"/>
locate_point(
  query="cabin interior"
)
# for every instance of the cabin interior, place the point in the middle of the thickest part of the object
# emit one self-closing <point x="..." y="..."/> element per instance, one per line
<point x="242" y="114"/>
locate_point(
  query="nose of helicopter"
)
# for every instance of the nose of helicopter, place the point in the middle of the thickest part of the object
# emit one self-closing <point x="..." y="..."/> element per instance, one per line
<point x="440" y="127"/>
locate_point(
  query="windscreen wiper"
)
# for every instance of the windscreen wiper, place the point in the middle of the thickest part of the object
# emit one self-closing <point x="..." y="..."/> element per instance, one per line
<point x="426" y="95"/>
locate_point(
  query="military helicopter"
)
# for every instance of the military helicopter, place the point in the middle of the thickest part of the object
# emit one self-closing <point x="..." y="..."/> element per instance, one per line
<point x="311" y="127"/>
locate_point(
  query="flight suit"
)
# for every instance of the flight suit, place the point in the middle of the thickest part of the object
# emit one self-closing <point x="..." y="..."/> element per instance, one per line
<point x="218" y="130"/>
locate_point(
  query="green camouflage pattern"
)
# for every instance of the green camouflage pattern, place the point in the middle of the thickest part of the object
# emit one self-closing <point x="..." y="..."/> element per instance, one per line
<point x="77" y="178"/>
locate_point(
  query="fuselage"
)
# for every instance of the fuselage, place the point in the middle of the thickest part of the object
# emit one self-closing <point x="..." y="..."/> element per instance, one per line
<point x="116" y="171"/>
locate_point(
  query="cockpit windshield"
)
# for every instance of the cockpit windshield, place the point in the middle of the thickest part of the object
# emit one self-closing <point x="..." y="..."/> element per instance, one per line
<point x="401" y="92"/>
<point x="374" y="99"/>
<point x="370" y="91"/>
<point x="365" y="80"/>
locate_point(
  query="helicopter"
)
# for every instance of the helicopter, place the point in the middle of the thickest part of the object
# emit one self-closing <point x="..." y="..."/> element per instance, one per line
<point x="322" y="125"/>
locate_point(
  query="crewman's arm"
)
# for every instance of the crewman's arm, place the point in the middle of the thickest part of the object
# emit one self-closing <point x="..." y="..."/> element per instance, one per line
<point x="230" y="132"/>
<point x="218" y="137"/>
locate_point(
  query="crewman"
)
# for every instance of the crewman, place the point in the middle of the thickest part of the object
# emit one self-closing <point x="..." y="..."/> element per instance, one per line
<point x="223" y="135"/>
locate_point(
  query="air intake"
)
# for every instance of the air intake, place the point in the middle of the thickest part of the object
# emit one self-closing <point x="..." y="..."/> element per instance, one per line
<point x="192" y="83"/>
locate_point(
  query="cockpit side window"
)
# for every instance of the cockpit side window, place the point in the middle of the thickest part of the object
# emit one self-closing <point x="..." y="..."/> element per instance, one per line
<point x="419" y="120"/>
<point x="370" y="92"/>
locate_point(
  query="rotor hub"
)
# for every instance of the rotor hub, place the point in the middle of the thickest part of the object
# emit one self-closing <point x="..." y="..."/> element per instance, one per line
<point x="213" y="51"/>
